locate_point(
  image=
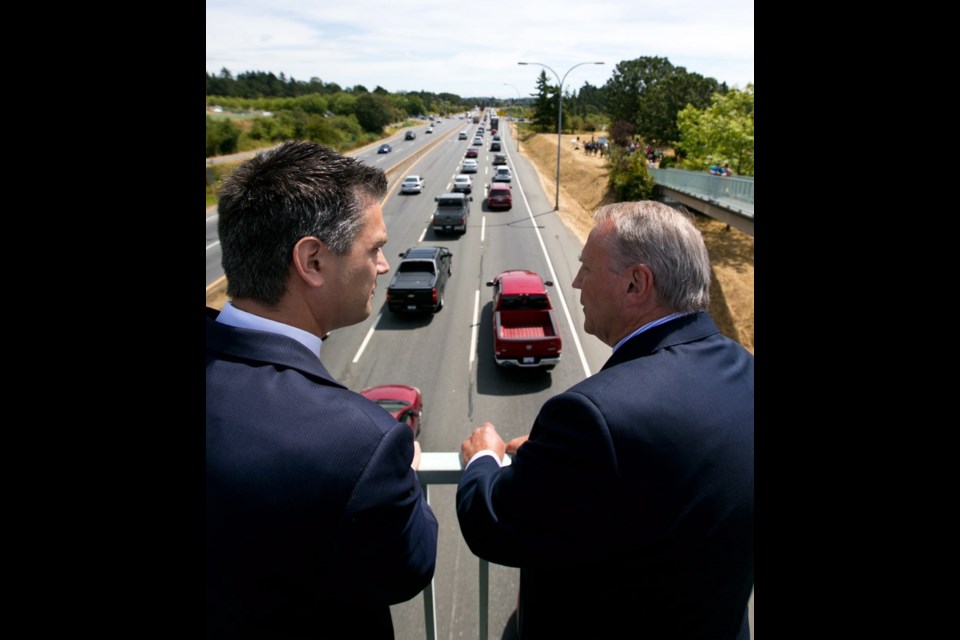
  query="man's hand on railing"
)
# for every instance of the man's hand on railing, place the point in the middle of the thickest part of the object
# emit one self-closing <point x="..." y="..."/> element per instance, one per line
<point x="483" y="438"/>
<point x="514" y="444"/>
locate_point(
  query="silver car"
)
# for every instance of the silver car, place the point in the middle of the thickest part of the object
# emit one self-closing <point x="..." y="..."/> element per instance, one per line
<point x="412" y="184"/>
<point x="463" y="183"/>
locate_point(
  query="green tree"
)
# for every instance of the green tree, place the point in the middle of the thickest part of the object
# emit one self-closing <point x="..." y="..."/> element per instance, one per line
<point x="545" y="105"/>
<point x="413" y="104"/>
<point x="648" y="92"/>
<point x="278" y="128"/>
<point x="665" y="98"/>
<point x="222" y="137"/>
<point x="373" y="112"/>
<point x="722" y="132"/>
<point x="342" y="103"/>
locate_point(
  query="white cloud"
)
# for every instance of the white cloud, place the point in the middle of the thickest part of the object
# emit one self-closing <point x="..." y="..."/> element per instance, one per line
<point x="473" y="50"/>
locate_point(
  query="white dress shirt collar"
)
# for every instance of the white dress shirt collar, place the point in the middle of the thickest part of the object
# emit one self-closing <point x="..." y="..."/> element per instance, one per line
<point x="236" y="318"/>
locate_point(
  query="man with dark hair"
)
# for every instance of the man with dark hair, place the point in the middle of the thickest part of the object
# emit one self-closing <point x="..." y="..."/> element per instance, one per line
<point x="315" y="519"/>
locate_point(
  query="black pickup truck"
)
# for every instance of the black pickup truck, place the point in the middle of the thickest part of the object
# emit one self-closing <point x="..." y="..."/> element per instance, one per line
<point x="420" y="279"/>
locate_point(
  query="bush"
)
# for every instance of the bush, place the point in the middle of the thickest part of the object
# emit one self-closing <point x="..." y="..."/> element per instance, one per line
<point x="667" y="161"/>
<point x="222" y="137"/>
<point x="629" y="177"/>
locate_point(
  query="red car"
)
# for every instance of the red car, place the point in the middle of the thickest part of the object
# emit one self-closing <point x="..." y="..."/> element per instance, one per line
<point x="404" y="403"/>
<point x="471" y="153"/>
<point x="499" y="196"/>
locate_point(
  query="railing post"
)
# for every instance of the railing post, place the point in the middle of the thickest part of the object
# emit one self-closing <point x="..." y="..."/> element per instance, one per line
<point x="445" y="468"/>
<point x="484" y="597"/>
<point x="429" y="596"/>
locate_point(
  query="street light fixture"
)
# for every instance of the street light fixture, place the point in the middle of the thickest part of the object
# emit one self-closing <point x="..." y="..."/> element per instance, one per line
<point x="559" y="113"/>
<point x="518" y="124"/>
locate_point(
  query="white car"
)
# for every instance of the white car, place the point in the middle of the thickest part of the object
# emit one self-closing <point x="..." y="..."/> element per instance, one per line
<point x="412" y="184"/>
<point x="502" y="174"/>
<point x="478" y="140"/>
<point x="469" y="166"/>
<point x="463" y="183"/>
<point x="462" y="135"/>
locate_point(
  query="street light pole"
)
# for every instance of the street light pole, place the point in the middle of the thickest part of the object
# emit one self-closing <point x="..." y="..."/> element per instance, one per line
<point x="559" y="114"/>
<point x="518" y="124"/>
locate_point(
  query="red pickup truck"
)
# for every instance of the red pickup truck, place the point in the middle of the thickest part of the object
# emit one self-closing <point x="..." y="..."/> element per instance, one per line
<point x="525" y="330"/>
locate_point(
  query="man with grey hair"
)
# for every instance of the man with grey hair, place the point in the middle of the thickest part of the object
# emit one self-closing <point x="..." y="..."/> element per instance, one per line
<point x="629" y="506"/>
<point x="315" y="519"/>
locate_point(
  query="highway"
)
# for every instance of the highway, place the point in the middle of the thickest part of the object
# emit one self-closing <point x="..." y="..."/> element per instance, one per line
<point x="449" y="355"/>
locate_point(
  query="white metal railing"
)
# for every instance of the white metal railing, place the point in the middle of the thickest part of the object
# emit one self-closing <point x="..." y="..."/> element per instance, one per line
<point x="707" y="186"/>
<point x="440" y="467"/>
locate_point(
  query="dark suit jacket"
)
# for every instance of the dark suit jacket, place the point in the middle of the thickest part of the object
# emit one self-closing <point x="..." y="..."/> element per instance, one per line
<point x="315" y="521"/>
<point x="630" y="509"/>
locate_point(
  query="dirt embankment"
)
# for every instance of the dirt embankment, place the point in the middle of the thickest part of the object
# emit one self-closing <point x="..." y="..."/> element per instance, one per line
<point x="583" y="187"/>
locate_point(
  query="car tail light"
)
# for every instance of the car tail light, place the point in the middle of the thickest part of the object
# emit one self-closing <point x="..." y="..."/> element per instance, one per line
<point x="388" y="295"/>
<point x="433" y="295"/>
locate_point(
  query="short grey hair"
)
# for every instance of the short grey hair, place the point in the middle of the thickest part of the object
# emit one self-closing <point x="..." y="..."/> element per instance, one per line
<point x="669" y="243"/>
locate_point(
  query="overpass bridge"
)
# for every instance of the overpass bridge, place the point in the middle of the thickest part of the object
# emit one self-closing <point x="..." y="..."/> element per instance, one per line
<point x="728" y="199"/>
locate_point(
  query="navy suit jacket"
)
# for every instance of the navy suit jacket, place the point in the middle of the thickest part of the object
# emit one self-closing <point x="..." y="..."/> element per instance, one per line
<point x="315" y="521"/>
<point x="630" y="508"/>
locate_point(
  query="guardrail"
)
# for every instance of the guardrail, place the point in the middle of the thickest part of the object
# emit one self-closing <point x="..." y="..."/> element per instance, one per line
<point x="445" y="468"/>
<point x="738" y="188"/>
<point x="728" y="199"/>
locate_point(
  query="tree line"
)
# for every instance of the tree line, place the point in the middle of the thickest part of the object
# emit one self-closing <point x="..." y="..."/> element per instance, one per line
<point x="647" y="99"/>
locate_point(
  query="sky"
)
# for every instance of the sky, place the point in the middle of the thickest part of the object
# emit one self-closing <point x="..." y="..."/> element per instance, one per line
<point x="472" y="49"/>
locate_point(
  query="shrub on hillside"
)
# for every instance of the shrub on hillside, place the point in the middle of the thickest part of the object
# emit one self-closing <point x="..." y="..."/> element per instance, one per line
<point x="629" y="177"/>
<point x="222" y="137"/>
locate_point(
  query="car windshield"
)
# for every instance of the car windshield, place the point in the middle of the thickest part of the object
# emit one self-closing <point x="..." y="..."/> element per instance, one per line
<point x="412" y="267"/>
<point x="392" y="405"/>
<point x="532" y="301"/>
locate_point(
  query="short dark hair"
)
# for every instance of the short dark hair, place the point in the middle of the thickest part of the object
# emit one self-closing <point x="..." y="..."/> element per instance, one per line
<point x="292" y="191"/>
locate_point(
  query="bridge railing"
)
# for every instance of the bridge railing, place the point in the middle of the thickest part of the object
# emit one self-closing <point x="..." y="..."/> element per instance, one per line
<point x="738" y="188"/>
<point x="445" y="468"/>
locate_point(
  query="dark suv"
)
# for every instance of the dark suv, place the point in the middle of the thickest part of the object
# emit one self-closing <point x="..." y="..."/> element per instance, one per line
<point x="410" y="135"/>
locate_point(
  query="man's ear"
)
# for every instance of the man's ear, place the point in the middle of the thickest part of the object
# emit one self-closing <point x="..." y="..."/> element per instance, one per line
<point x="640" y="280"/>
<point x="309" y="257"/>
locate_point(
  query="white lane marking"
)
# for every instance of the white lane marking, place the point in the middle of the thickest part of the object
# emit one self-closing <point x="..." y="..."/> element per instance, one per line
<point x="215" y="242"/>
<point x="473" y="332"/>
<point x="483" y="228"/>
<point x="553" y="276"/>
<point x="363" y="345"/>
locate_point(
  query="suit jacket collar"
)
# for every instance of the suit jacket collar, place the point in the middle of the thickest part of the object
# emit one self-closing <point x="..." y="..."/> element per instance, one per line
<point x="265" y="347"/>
<point x="688" y="328"/>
